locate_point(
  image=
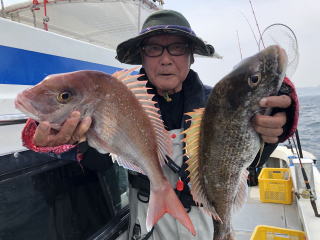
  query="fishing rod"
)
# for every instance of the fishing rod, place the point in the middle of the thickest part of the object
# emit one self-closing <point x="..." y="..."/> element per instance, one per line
<point x="299" y="144"/>
<point x="304" y="174"/>
<point x="239" y="45"/>
<point x="255" y="18"/>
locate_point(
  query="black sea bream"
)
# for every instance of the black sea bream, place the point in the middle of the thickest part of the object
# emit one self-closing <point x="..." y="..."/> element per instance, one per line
<point x="221" y="142"/>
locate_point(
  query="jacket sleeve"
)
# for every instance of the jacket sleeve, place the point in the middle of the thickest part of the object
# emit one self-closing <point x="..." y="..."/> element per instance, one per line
<point x="292" y="111"/>
<point x="92" y="159"/>
<point x="67" y="151"/>
<point x="27" y="140"/>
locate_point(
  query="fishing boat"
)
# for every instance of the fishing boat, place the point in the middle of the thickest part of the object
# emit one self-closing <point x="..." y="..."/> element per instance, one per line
<point x="43" y="197"/>
<point x="280" y="206"/>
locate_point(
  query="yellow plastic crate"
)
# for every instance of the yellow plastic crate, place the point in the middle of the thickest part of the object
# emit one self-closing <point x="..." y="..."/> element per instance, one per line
<point x="263" y="232"/>
<point x="275" y="185"/>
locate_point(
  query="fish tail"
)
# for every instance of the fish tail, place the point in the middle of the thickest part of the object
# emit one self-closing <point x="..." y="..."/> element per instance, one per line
<point x="164" y="201"/>
<point x="228" y="237"/>
<point x="222" y="231"/>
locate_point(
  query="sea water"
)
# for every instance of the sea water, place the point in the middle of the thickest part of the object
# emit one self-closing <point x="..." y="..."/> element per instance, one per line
<point x="309" y="121"/>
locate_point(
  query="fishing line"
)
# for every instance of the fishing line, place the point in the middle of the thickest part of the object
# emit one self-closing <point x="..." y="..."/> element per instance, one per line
<point x="254" y="36"/>
<point x="255" y="18"/>
<point x="290" y="145"/>
<point x="278" y="34"/>
<point x="239" y="45"/>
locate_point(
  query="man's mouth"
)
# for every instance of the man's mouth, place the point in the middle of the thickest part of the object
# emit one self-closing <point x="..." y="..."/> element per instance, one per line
<point x="166" y="74"/>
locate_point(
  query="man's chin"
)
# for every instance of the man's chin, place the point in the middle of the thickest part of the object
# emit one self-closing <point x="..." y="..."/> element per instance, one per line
<point x="167" y="90"/>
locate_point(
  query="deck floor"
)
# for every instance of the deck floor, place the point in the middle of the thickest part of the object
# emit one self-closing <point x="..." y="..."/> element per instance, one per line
<point x="256" y="213"/>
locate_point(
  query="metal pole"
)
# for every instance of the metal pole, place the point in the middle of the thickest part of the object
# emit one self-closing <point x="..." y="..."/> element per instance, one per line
<point x="2" y="9"/>
<point x="139" y="15"/>
<point x="45" y="18"/>
<point x="34" y="18"/>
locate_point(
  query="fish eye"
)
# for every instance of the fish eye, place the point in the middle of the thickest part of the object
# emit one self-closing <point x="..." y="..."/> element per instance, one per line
<point x="254" y="80"/>
<point x="64" y="97"/>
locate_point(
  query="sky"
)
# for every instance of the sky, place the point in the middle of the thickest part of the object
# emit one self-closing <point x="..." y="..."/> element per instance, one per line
<point x="222" y="22"/>
<point x="218" y="21"/>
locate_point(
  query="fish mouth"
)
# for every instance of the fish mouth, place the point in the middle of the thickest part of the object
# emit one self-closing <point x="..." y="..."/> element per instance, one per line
<point x="282" y="59"/>
<point x="282" y="67"/>
<point x="283" y="56"/>
<point x="282" y="62"/>
<point x="23" y="104"/>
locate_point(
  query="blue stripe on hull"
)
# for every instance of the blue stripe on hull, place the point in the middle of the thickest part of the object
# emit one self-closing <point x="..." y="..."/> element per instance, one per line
<point x="23" y="67"/>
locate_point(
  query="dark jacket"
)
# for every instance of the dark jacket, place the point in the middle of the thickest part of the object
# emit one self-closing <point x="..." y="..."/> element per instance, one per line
<point x="195" y="95"/>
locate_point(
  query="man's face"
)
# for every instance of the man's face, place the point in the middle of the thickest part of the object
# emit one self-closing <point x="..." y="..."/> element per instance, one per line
<point x="166" y="72"/>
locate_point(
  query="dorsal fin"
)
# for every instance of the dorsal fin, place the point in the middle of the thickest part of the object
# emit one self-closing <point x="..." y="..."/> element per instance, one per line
<point x="193" y="133"/>
<point x="123" y="73"/>
<point x="139" y="89"/>
<point x="192" y="142"/>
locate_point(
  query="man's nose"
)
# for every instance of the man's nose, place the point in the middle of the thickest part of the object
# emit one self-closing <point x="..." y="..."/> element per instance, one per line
<point x="166" y="58"/>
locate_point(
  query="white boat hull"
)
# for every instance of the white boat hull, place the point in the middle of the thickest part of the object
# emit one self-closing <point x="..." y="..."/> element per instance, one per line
<point x="28" y="55"/>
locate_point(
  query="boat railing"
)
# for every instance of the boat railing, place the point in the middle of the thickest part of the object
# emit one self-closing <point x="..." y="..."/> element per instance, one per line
<point x="6" y="11"/>
<point x="12" y="119"/>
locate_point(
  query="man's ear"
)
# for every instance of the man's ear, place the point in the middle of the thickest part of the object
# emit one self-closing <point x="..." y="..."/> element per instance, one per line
<point x="191" y="59"/>
<point x="142" y="57"/>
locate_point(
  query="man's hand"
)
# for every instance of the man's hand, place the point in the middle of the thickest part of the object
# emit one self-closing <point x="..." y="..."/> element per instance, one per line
<point x="71" y="132"/>
<point x="270" y="127"/>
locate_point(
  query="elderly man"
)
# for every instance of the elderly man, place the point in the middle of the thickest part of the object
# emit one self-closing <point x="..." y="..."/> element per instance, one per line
<point x="165" y="48"/>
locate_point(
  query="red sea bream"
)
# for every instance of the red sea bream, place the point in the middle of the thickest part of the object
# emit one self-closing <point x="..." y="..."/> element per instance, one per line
<point x="125" y="123"/>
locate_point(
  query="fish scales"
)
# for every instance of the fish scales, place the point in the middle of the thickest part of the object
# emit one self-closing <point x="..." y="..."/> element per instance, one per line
<point x="231" y="151"/>
<point x="227" y="141"/>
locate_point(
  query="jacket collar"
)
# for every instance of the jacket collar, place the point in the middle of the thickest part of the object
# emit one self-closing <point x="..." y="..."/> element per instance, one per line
<point x="195" y="93"/>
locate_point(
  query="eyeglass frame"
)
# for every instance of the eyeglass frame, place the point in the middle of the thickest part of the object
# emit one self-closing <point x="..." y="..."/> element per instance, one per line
<point x="163" y="47"/>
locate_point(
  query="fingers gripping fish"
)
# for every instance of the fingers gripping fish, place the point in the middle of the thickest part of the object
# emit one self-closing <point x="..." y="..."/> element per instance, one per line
<point x="125" y="123"/>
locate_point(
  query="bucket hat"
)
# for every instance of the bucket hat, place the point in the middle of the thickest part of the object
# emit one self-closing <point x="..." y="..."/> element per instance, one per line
<point x="161" y="22"/>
